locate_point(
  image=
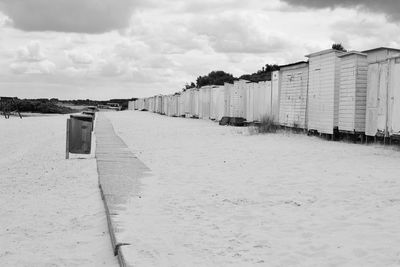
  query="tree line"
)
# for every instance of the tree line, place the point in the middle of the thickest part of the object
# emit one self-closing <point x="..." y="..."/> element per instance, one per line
<point x="220" y="77"/>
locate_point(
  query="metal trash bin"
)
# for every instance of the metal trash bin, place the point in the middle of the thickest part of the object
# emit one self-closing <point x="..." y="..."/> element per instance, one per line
<point x="91" y="113"/>
<point x="79" y="134"/>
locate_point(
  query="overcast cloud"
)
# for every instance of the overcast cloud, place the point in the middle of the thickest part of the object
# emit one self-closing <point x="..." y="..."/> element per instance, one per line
<point x="126" y="48"/>
<point x="391" y="8"/>
<point x="86" y="16"/>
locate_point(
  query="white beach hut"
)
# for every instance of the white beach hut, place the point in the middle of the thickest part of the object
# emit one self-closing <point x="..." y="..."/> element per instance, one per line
<point x="275" y="95"/>
<point x="131" y="105"/>
<point x="194" y="103"/>
<point x="293" y="99"/>
<point x="204" y="102"/>
<point x="238" y="99"/>
<point x="227" y="99"/>
<point x="323" y="91"/>
<point x="217" y="105"/>
<point x="185" y="96"/>
<point x="258" y="101"/>
<point x="383" y="92"/>
<point x="352" y="92"/>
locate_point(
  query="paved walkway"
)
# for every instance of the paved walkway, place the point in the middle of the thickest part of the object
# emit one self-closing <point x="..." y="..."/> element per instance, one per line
<point x="120" y="172"/>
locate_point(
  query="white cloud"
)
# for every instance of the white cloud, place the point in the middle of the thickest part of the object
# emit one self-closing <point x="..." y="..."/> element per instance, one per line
<point x="87" y="16"/>
<point x="79" y="58"/>
<point x="391" y="8"/>
<point x="40" y="67"/>
<point x="32" y="52"/>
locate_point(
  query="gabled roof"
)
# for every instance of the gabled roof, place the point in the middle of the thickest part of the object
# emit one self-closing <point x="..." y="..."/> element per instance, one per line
<point x="323" y="52"/>
<point x="353" y="53"/>
<point x="293" y="64"/>
<point x="381" y="48"/>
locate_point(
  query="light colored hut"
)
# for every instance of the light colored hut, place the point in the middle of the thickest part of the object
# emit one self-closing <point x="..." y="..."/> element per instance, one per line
<point x="194" y="102"/>
<point x="383" y="92"/>
<point x="131" y="105"/>
<point x="323" y="91"/>
<point x="204" y="102"/>
<point x="227" y="99"/>
<point x="164" y="109"/>
<point x="293" y="99"/>
<point x="353" y="92"/>
<point x="238" y="99"/>
<point x="181" y="105"/>
<point x="217" y="105"/>
<point x="158" y="104"/>
<point x="258" y="101"/>
<point x="185" y="97"/>
<point x="275" y="95"/>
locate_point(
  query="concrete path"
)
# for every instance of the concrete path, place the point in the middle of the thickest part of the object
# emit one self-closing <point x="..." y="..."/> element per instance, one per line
<point x="119" y="172"/>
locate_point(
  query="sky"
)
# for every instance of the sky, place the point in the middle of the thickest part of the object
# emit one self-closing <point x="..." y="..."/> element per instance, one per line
<point x="78" y="49"/>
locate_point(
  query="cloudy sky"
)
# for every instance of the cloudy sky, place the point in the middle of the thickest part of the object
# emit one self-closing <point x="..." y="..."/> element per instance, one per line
<point x="104" y="49"/>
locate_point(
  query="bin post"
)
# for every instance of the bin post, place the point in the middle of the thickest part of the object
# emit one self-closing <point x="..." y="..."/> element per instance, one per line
<point x="67" y="135"/>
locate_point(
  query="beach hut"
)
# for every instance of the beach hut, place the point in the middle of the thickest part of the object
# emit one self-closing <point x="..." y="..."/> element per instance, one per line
<point x="323" y="91"/>
<point x="158" y="104"/>
<point x="204" y="102"/>
<point x="250" y="101"/>
<point x="293" y="99"/>
<point x="227" y="99"/>
<point x="131" y="105"/>
<point x="164" y="108"/>
<point x="217" y="106"/>
<point x="352" y="92"/>
<point x="140" y="104"/>
<point x="194" y="103"/>
<point x="258" y="101"/>
<point x="238" y="99"/>
<point x="185" y="97"/>
<point x="383" y="92"/>
<point x="275" y="95"/>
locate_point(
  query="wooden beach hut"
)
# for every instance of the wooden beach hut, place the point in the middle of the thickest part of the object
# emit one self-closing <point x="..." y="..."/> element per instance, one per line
<point x="238" y="99"/>
<point x="323" y="91"/>
<point x="383" y="92"/>
<point x="275" y="95"/>
<point x="353" y="92"/>
<point x="293" y="99"/>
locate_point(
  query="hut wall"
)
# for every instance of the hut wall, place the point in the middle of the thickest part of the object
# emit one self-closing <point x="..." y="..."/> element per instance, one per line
<point x="293" y="100"/>
<point x="238" y="99"/>
<point x="276" y="85"/>
<point x="227" y="99"/>
<point x="353" y="92"/>
<point x="323" y="92"/>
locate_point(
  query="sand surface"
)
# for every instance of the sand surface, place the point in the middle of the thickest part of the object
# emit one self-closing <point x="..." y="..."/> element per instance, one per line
<point x="51" y="210"/>
<point x="222" y="197"/>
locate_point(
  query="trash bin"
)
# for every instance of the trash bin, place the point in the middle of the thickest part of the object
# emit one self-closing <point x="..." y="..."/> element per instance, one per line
<point x="80" y="134"/>
<point x="91" y="113"/>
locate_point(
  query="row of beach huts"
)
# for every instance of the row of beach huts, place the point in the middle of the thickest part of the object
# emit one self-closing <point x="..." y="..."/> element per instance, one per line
<point x="333" y="92"/>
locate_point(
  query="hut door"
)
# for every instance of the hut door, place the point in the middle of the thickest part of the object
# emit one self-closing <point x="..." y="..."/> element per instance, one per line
<point x="395" y="97"/>
<point x="382" y="98"/>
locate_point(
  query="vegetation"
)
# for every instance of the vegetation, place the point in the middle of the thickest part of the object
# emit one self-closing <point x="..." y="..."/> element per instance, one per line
<point x="35" y="106"/>
<point x="339" y="47"/>
<point x="267" y="125"/>
<point x="214" y="78"/>
<point x="261" y="75"/>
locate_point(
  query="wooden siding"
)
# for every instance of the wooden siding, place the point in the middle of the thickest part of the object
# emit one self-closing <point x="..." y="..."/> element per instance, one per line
<point x="293" y="99"/>
<point x="275" y="94"/>
<point x="394" y="104"/>
<point x="238" y="99"/>
<point x="323" y="94"/>
<point x="353" y="93"/>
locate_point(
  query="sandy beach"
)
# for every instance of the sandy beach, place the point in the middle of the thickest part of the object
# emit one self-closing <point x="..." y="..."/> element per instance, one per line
<point x="51" y="210"/>
<point x="220" y="196"/>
